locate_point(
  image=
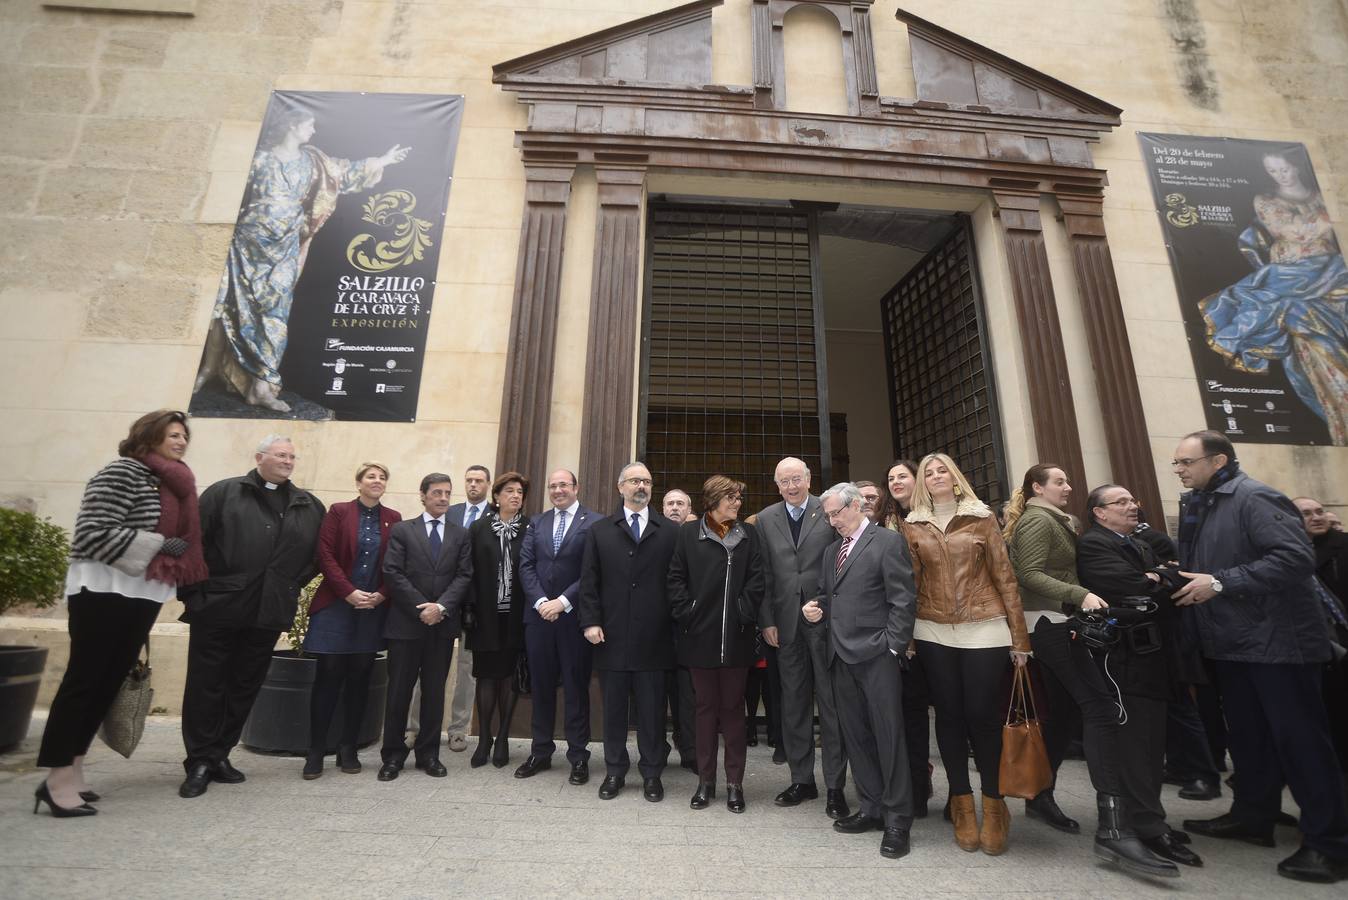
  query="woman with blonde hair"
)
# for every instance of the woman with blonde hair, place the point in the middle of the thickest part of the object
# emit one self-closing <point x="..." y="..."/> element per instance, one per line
<point x="346" y="616"/>
<point x="968" y="618"/>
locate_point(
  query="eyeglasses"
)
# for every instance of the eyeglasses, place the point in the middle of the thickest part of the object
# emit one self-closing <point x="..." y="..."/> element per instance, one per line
<point x="1186" y="462"/>
<point x="558" y="485"/>
<point x="833" y="515"/>
<point x="639" y="482"/>
<point x="1123" y="502"/>
<point x="792" y="481"/>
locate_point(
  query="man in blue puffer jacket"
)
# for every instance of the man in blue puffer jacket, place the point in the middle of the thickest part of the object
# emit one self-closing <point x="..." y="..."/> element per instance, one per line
<point x="1258" y="617"/>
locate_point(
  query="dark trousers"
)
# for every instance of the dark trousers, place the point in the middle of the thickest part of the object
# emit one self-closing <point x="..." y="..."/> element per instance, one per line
<point x="1142" y="764"/>
<point x="337" y="672"/>
<point x="807" y="684"/>
<point x="106" y="634"/>
<point x="720" y="710"/>
<point x="870" y="709"/>
<point x="764" y="685"/>
<point x="647" y="692"/>
<point x="916" y="698"/>
<point x="559" y="655"/>
<point x="1070" y="664"/>
<point x="408" y="660"/>
<point x="679" y="689"/>
<point x="1208" y="698"/>
<point x="1279" y="734"/>
<point x="1059" y="715"/>
<point x="225" y="670"/>
<point x="968" y="691"/>
<point x="1187" y="756"/>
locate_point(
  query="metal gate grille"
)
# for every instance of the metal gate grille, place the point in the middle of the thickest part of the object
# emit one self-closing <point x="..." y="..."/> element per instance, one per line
<point x="730" y="362"/>
<point x="941" y="386"/>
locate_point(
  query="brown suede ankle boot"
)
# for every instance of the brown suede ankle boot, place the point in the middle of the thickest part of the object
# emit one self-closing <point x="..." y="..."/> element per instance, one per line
<point x="996" y="826"/>
<point x="965" y="819"/>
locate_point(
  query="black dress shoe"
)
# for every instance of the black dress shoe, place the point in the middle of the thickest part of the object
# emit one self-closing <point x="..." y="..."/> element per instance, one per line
<point x="702" y="797"/>
<point x="1229" y="827"/>
<point x="580" y="772"/>
<point x="433" y="767"/>
<point x="751" y="739"/>
<point x="1312" y="865"/>
<point x="858" y="823"/>
<point x="198" y="779"/>
<point x="1198" y="789"/>
<point x="225" y="773"/>
<point x="836" y="806"/>
<point x="796" y="794"/>
<point x="313" y="765"/>
<point x="653" y="790"/>
<point x="894" y="844"/>
<point x="1181" y="837"/>
<point x="612" y="786"/>
<point x="347" y="760"/>
<point x="1286" y="819"/>
<point x="778" y="756"/>
<point x="388" y="771"/>
<point x="734" y="798"/>
<point x="533" y="765"/>
<point x="90" y="796"/>
<point x="481" y="754"/>
<point x="500" y="754"/>
<point x="1045" y="808"/>
<point x="1166" y="847"/>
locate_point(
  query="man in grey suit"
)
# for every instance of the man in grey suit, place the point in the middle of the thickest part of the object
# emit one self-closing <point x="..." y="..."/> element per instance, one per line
<point x="795" y="537"/>
<point x="869" y="602"/>
<point x="477" y="488"/>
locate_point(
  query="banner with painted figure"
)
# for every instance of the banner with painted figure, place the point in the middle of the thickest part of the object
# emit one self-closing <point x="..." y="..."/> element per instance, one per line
<point x="1261" y="282"/>
<point x="326" y="296"/>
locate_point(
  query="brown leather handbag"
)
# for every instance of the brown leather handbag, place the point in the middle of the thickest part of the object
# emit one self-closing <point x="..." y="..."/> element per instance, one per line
<point x="1024" y="770"/>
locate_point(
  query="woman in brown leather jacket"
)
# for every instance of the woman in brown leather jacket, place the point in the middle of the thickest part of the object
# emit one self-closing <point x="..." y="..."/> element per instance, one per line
<point x="968" y="618"/>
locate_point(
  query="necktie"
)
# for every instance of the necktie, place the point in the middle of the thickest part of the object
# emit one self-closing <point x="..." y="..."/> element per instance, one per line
<point x="636" y="527"/>
<point x="561" y="530"/>
<point x="472" y="516"/>
<point x="842" y="553"/>
<point x="435" y="539"/>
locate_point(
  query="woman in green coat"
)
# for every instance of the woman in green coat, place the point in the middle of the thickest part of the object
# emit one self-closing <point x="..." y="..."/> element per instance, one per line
<point x="1042" y="539"/>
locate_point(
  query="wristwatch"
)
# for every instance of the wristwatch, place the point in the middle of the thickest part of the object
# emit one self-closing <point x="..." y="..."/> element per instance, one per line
<point x="1216" y="586"/>
<point x="444" y="611"/>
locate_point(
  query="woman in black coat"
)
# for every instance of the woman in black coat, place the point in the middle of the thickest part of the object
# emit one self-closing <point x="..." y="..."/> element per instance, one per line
<point x="493" y="616"/>
<point x="715" y="589"/>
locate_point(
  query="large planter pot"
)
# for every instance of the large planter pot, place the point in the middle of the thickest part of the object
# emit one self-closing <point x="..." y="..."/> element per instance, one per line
<point x="279" y="721"/>
<point x="20" y="678"/>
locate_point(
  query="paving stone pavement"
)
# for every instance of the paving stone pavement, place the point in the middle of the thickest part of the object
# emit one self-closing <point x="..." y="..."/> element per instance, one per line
<point x="483" y="833"/>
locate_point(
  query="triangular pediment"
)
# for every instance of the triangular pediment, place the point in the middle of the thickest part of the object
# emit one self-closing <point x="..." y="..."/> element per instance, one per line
<point x="671" y="47"/>
<point x="949" y="68"/>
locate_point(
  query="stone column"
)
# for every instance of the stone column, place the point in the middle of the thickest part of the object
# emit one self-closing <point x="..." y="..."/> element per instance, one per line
<point x="615" y="307"/>
<point x="1130" y="455"/>
<point x="1057" y="438"/>
<point x="522" y="443"/>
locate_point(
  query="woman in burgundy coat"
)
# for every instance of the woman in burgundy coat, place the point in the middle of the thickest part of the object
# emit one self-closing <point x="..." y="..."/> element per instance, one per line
<point x="346" y="617"/>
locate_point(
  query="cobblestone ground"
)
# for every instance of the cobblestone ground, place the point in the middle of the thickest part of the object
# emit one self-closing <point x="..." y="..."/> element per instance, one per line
<point x="480" y="832"/>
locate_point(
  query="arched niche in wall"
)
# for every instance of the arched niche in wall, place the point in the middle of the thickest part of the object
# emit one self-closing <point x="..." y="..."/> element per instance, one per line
<point x="814" y="77"/>
<point x="857" y="47"/>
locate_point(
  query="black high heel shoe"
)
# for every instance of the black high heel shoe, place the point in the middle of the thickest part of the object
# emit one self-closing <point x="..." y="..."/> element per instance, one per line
<point x="481" y="754"/>
<point x="90" y="796"/>
<point x="42" y="795"/>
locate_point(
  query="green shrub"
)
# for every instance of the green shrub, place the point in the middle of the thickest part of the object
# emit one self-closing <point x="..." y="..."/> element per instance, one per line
<point x="34" y="556"/>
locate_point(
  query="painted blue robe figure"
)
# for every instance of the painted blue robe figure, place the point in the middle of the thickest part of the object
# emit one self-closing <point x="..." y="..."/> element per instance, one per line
<point x="1294" y="306"/>
<point x="293" y="190"/>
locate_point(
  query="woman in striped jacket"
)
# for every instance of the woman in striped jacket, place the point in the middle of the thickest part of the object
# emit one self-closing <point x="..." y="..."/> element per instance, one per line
<point x="137" y="537"/>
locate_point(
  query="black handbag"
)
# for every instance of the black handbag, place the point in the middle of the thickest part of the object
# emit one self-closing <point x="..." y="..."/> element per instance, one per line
<point x="523" y="683"/>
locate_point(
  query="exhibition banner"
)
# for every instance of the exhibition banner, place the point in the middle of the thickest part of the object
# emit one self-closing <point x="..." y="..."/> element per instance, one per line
<point x="324" y="304"/>
<point x="1262" y="285"/>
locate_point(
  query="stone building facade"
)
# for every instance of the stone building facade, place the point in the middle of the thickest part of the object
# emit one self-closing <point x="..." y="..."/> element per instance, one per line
<point x="128" y="128"/>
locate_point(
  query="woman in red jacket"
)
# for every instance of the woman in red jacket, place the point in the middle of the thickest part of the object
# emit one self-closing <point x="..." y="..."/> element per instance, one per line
<point x="346" y="617"/>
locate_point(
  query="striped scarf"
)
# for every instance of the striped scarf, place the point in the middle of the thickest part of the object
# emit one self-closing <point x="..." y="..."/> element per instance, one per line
<point x="1196" y="509"/>
<point x="505" y="532"/>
